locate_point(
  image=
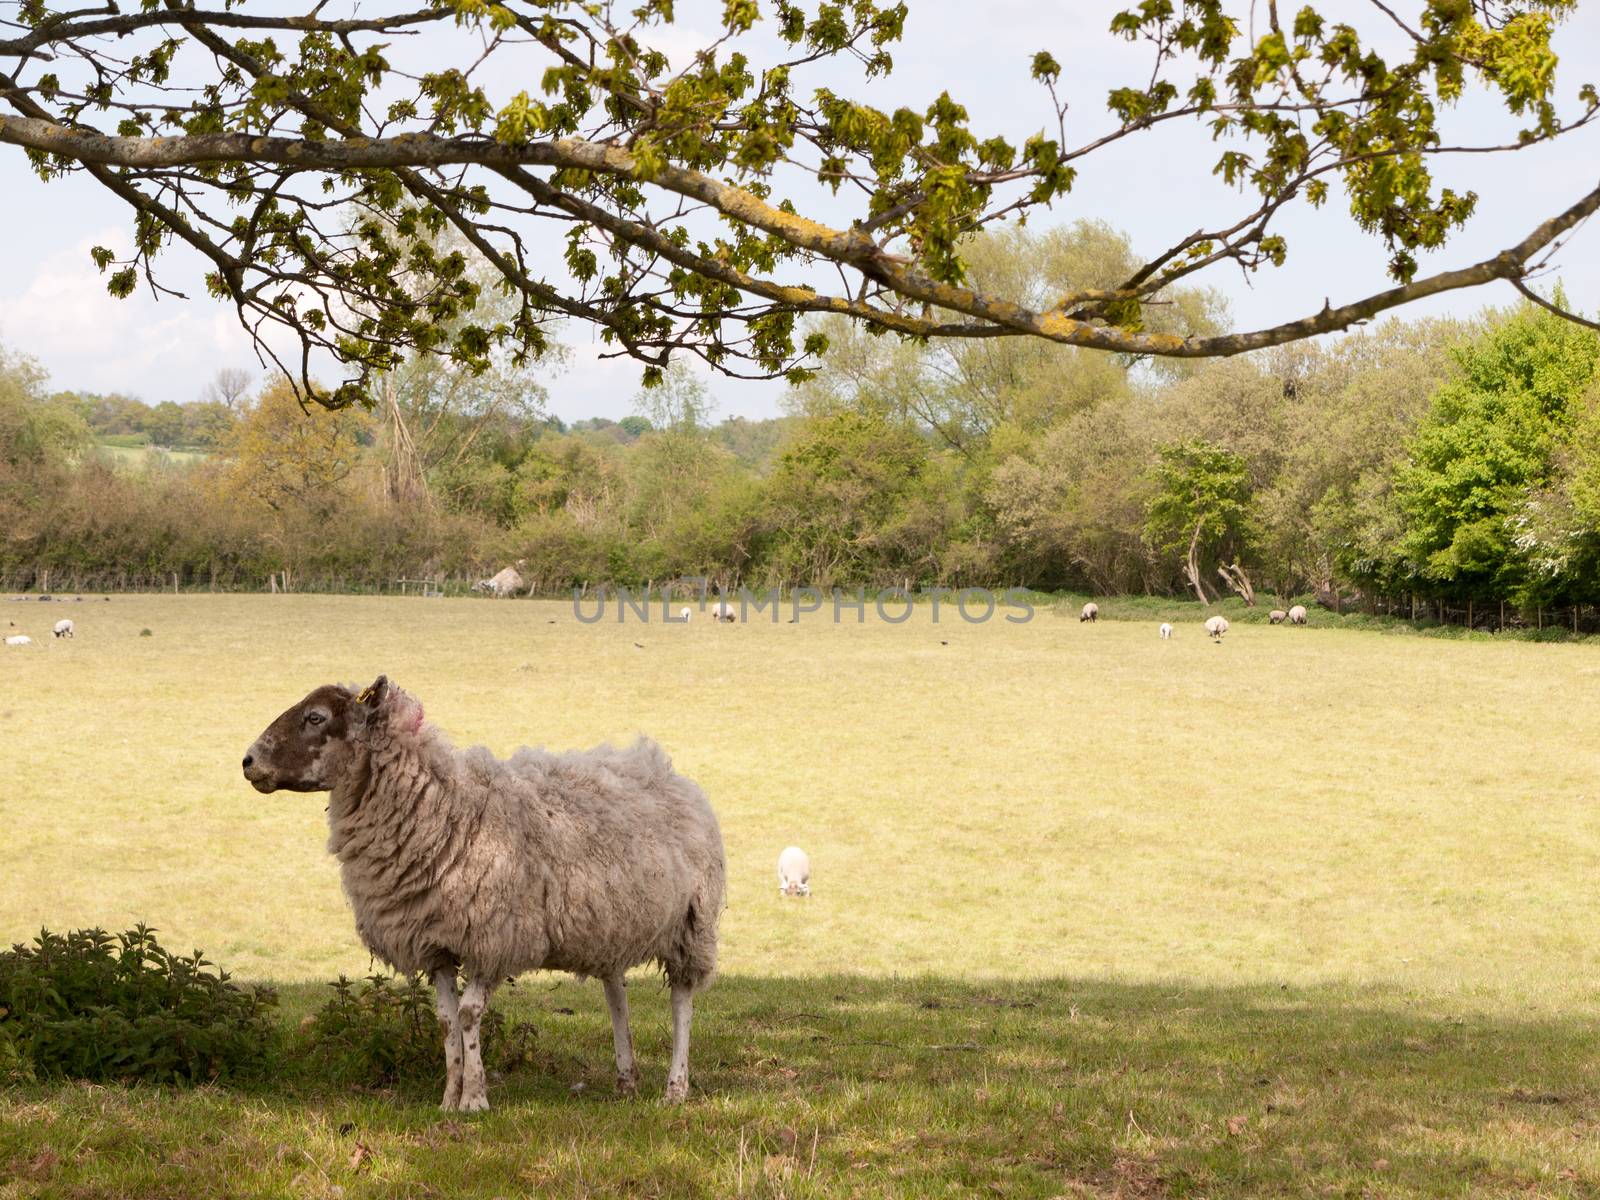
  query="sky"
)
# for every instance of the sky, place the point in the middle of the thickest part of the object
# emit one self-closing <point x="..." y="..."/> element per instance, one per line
<point x="1156" y="187"/>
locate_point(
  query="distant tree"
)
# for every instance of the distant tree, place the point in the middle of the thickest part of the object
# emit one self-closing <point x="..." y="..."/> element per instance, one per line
<point x="36" y="431"/>
<point x="209" y="423"/>
<point x="1347" y="412"/>
<point x="568" y="472"/>
<point x="675" y="471"/>
<point x="1490" y="446"/>
<point x="1201" y="508"/>
<point x="284" y="456"/>
<point x="111" y="414"/>
<point x="839" y="483"/>
<point x="1069" y="506"/>
<point x="752" y="442"/>
<point x="453" y="427"/>
<point x="1558" y="529"/>
<point x="964" y="390"/>
<point x="678" y="401"/>
<point x="229" y="387"/>
<point x="166" y="425"/>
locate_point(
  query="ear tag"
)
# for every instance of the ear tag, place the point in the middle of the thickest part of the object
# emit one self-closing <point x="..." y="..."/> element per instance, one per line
<point x="364" y="696"/>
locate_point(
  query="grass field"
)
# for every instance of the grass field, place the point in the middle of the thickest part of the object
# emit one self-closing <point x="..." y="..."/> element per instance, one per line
<point x="140" y="457"/>
<point x="1311" y="912"/>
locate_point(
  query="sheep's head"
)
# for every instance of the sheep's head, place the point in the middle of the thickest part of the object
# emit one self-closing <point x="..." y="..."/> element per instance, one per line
<point x="315" y="744"/>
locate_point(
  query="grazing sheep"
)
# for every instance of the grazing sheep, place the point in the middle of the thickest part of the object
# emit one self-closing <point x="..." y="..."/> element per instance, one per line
<point x="63" y="628"/>
<point x="794" y="872"/>
<point x="506" y="583"/>
<point x="590" y="862"/>
<point x="1091" y="612"/>
<point x="19" y="639"/>
<point x="684" y="613"/>
<point x="1276" y="616"/>
<point x="1217" y="626"/>
<point x="1166" y="630"/>
<point x="722" y="611"/>
<point x="1297" y="615"/>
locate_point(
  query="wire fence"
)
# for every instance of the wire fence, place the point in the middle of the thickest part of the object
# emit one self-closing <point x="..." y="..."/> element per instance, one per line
<point x="1490" y="616"/>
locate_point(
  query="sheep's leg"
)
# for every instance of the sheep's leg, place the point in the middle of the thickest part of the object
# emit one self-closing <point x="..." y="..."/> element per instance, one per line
<point x="474" y="1003"/>
<point x="621" y="1038"/>
<point x="444" y="987"/>
<point x="682" y="1014"/>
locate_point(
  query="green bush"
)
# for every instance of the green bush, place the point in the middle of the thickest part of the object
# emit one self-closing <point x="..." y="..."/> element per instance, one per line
<point x="15" y="1067"/>
<point x="384" y="1030"/>
<point x="92" y="1005"/>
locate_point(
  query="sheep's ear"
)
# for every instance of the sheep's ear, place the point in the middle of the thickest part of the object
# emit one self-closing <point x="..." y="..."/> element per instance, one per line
<point x="372" y="697"/>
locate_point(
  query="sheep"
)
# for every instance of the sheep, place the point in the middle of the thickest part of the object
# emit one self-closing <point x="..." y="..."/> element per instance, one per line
<point x="1217" y="626"/>
<point x="1166" y="630"/>
<point x="505" y="583"/>
<point x="63" y="628"/>
<point x="684" y="614"/>
<point x="794" y="872"/>
<point x="1091" y="612"/>
<point x="1276" y="616"/>
<point x="722" y="611"/>
<point x="1297" y="615"/>
<point x="19" y="639"/>
<point x="589" y="862"/>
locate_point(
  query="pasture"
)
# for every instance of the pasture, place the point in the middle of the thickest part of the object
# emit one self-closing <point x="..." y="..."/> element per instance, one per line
<point x="143" y="457"/>
<point x="1309" y="912"/>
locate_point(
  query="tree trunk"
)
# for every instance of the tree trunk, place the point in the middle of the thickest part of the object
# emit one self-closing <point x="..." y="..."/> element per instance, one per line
<point x="1191" y="567"/>
<point x="1235" y="578"/>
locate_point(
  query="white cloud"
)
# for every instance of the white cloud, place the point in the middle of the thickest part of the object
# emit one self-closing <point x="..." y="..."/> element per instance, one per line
<point x="159" y="349"/>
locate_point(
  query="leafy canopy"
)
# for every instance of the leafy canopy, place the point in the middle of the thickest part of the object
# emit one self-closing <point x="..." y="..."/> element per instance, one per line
<point x="1492" y="444"/>
<point x="679" y="196"/>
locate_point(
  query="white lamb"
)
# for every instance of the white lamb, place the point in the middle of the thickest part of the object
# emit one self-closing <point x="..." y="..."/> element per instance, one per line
<point x="19" y="639"/>
<point x="1297" y="615"/>
<point x="794" y="872"/>
<point x="684" y="613"/>
<point x="1217" y="626"/>
<point x="63" y="628"/>
<point x="1166" y="630"/>
<point x="722" y="611"/>
<point x="1091" y="612"/>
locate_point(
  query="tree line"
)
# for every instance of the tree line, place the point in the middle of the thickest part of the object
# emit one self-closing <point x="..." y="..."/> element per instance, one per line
<point x="1430" y="461"/>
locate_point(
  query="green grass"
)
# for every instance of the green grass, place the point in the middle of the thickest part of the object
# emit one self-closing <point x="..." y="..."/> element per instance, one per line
<point x="126" y="451"/>
<point x="1082" y="899"/>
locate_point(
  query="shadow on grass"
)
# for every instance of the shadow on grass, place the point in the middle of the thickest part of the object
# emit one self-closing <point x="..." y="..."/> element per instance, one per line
<point x="829" y="1086"/>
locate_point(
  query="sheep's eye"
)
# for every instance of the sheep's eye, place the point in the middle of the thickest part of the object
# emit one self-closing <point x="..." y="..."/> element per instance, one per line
<point x="315" y="718"/>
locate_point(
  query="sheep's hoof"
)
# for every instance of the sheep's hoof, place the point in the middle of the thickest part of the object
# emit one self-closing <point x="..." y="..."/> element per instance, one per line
<point x="677" y="1091"/>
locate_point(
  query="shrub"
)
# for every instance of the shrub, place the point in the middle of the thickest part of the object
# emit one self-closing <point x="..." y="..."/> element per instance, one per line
<point x="384" y="1030"/>
<point x="92" y="1005"/>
